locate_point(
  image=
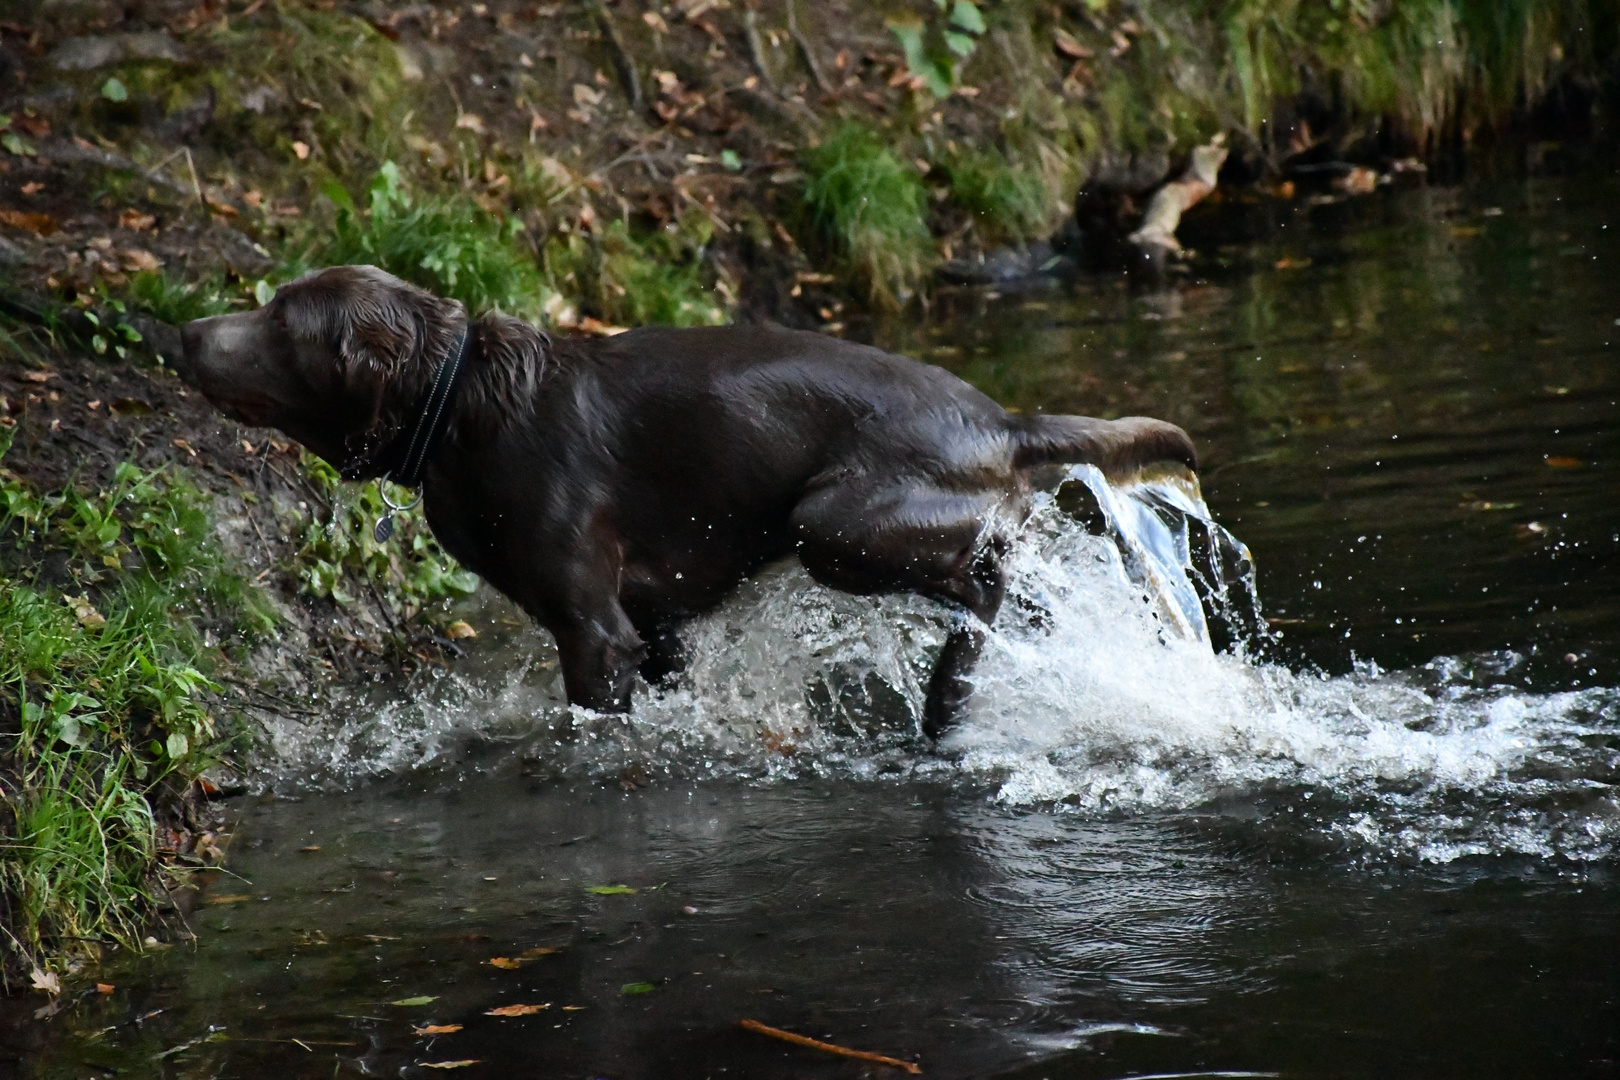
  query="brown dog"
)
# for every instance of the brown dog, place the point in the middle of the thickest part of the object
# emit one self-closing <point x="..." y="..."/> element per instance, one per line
<point x="616" y="487"/>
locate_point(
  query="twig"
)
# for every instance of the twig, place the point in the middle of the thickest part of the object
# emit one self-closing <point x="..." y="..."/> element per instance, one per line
<point x="191" y="167"/>
<point x="621" y="55"/>
<point x="804" y="46"/>
<point x="829" y="1048"/>
<point x="757" y="47"/>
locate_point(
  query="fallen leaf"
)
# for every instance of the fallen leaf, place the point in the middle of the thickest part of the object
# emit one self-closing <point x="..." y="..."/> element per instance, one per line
<point x="610" y="890"/>
<point x="505" y="963"/>
<point x="234" y="898"/>
<point x="186" y="446"/>
<point x="470" y="122"/>
<point x="1068" y="46"/>
<point x="599" y="328"/>
<point x="135" y="220"/>
<point x="460" y="629"/>
<point x="33" y="188"/>
<point x="85" y="612"/>
<point x="448" y="1064"/>
<point x="138" y="259"/>
<point x="300" y="150"/>
<point x="436" y="1029"/>
<point x="637" y="988"/>
<point x="416" y="1000"/>
<point x="36" y="376"/>
<point x="1557" y="461"/>
<point x="517" y="1010"/>
<point x="573" y="1008"/>
<point x="105" y="988"/>
<point x="38" y="224"/>
<point x="539" y="950"/>
<point x="45" y="981"/>
<point x="308" y="848"/>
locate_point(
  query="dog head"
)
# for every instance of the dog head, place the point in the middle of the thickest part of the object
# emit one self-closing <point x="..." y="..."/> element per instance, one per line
<point x="337" y="360"/>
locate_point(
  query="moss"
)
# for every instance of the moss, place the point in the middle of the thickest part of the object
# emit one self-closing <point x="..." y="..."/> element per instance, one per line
<point x="870" y="207"/>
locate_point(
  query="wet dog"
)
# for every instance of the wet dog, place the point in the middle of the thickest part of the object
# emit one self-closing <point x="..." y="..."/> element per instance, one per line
<point x="616" y="487"/>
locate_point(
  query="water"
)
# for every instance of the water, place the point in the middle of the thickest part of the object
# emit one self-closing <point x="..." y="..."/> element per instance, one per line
<point x="1368" y="827"/>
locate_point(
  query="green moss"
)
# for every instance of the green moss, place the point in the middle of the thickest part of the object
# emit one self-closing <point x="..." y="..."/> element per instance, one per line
<point x="870" y="207"/>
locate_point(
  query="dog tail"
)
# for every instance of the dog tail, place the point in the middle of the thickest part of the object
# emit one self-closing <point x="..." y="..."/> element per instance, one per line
<point x="1120" y="448"/>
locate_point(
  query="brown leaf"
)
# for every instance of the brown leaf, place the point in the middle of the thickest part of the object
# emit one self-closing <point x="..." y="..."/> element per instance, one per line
<point x="38" y="224"/>
<point x="1068" y="46"/>
<point x="105" y="988"/>
<point x="138" y="259"/>
<point x="300" y="150"/>
<point x="505" y="963"/>
<point x="1558" y="461"/>
<point x="517" y="1010"/>
<point x="459" y="629"/>
<point x="33" y="188"/>
<point x="471" y="122"/>
<point x="186" y="446"/>
<point x="539" y="950"/>
<point x="436" y="1029"/>
<point x="234" y="898"/>
<point x="136" y="221"/>
<point x="36" y="376"/>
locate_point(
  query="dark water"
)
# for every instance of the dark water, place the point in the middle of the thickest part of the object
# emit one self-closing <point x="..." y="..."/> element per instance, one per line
<point x="1383" y="845"/>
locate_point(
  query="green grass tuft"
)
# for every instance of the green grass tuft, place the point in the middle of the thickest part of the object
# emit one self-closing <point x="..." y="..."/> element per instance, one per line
<point x="871" y="207"/>
<point x="105" y="700"/>
<point x="1008" y="203"/>
<point x="176" y="302"/>
<point x="447" y="244"/>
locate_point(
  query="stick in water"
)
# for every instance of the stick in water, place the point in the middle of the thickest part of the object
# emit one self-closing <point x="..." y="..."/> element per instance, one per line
<point x="830" y="1048"/>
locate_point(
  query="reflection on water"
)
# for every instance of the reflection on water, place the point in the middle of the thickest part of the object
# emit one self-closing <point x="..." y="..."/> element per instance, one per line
<point x="1377" y="838"/>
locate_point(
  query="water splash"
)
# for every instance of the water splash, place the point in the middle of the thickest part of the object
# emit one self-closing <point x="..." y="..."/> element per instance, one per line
<point x="1099" y="692"/>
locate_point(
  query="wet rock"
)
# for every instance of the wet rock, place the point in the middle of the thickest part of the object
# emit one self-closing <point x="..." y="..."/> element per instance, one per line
<point x="90" y="53"/>
<point x="1004" y="265"/>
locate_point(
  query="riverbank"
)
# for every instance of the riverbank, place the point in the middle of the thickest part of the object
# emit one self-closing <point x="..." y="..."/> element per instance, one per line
<point x="588" y="166"/>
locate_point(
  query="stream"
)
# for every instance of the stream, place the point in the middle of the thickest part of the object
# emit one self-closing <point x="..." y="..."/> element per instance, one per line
<point x="1372" y="831"/>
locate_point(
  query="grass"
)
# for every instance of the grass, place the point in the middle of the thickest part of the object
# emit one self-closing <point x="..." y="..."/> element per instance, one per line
<point x="176" y="302"/>
<point x="629" y="278"/>
<point x="105" y="696"/>
<point x="1008" y="203"/>
<point x="447" y="244"/>
<point x="870" y="207"/>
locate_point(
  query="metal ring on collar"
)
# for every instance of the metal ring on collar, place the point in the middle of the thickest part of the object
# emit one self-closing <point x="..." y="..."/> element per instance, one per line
<point x="382" y="489"/>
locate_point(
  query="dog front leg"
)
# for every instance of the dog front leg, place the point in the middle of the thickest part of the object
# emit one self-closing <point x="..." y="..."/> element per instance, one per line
<point x="599" y="660"/>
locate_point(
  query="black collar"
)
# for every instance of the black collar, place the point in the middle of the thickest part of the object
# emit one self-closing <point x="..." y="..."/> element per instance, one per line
<point x="432" y="418"/>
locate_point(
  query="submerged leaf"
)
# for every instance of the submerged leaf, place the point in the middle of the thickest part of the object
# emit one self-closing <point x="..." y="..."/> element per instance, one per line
<point x="505" y="963"/>
<point x="610" y="890"/>
<point x="436" y="1029"/>
<point x="517" y="1010"/>
<point x="637" y="988"/>
<point x="423" y="1000"/>
<point x="449" y="1064"/>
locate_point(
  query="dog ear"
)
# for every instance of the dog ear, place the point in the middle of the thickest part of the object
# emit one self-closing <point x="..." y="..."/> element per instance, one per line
<point x="373" y="346"/>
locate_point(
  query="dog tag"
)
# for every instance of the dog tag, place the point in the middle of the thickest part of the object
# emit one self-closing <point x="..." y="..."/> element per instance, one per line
<point x="384" y="529"/>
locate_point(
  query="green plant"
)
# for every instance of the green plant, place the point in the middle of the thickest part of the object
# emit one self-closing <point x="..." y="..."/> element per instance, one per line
<point x="176" y="302"/>
<point x="871" y="208"/>
<point x="635" y="279"/>
<point x="936" y="48"/>
<point x="410" y="570"/>
<point x="449" y="245"/>
<point x="1008" y="202"/>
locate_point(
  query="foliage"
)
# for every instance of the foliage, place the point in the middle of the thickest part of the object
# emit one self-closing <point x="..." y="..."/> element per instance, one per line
<point x="635" y="279"/>
<point x="870" y="206"/>
<point x="1008" y="202"/>
<point x="104" y="692"/>
<point x="410" y="570"/>
<point x="447" y="244"/>
<point x="936" y="48"/>
<point x="176" y="302"/>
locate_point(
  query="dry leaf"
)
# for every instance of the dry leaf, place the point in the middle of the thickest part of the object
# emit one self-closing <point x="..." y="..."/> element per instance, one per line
<point x="1068" y="46"/>
<point x="137" y="259"/>
<point x="505" y="963"/>
<point x="310" y="847"/>
<point x="595" y="326"/>
<point x="471" y="122"/>
<point x="300" y="150"/>
<point x="448" y="1064"/>
<point x="459" y="629"/>
<point x="135" y="220"/>
<point x="1558" y="461"/>
<point x="540" y="950"/>
<point x="36" y="376"/>
<point x="38" y="224"/>
<point x="105" y="988"/>
<point x="186" y="446"/>
<point x="436" y="1029"/>
<point x="33" y="188"/>
<point x="234" y="898"/>
<point x="517" y="1010"/>
<point x="88" y="616"/>
<point x="45" y="981"/>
